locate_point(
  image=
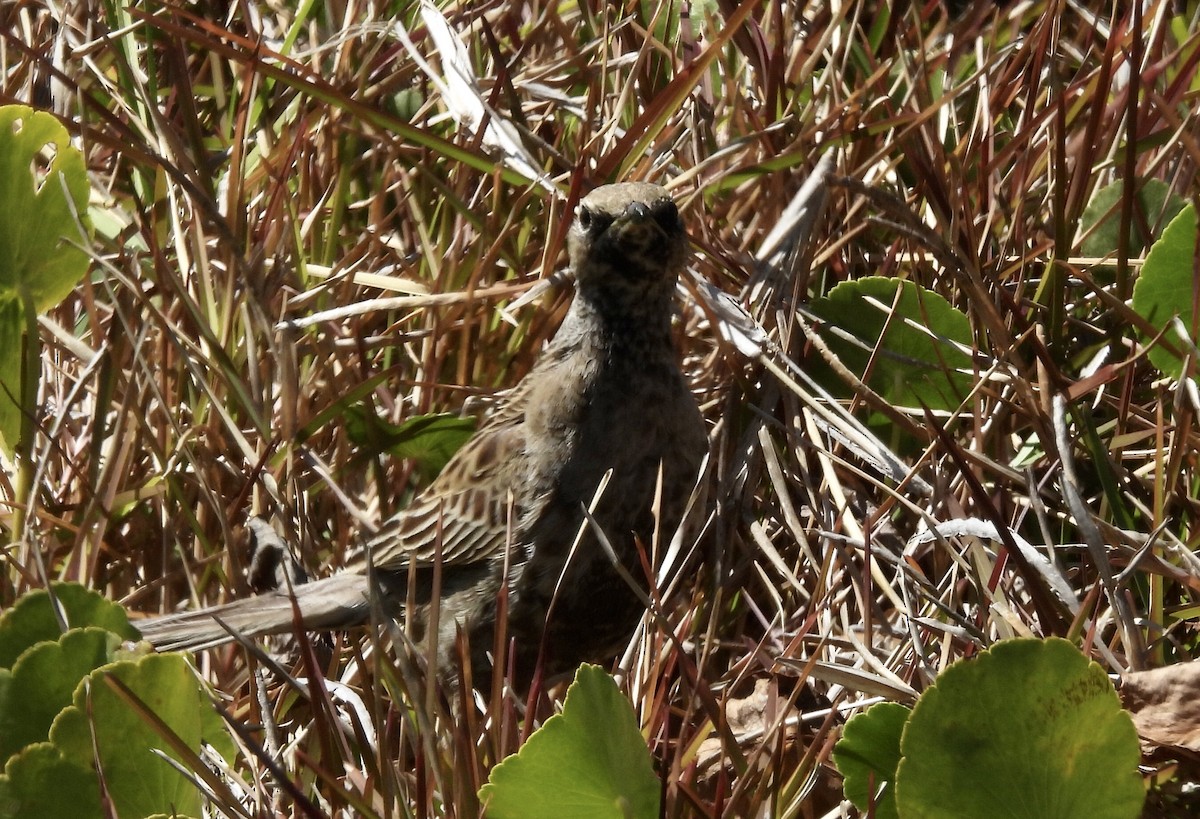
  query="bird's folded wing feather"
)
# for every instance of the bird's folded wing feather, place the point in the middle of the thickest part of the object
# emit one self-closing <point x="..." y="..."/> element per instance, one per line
<point x="463" y="516"/>
<point x="472" y="500"/>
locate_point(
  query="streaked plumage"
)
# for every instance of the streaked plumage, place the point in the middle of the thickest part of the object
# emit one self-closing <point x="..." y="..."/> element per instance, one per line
<point x="607" y="394"/>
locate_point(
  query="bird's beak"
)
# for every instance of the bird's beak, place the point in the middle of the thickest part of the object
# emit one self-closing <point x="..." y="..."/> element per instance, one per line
<point x="637" y="210"/>
<point x="639" y="225"/>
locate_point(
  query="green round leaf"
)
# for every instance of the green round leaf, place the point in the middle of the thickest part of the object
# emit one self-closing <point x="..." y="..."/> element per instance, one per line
<point x="1029" y="728"/>
<point x="44" y="188"/>
<point x="1166" y="288"/>
<point x="43" y="233"/>
<point x="1155" y="205"/>
<point x="31" y="620"/>
<point x="867" y="756"/>
<point x="102" y="724"/>
<point x="42" y="681"/>
<point x="589" y="761"/>
<point x="38" y="783"/>
<point x="919" y="359"/>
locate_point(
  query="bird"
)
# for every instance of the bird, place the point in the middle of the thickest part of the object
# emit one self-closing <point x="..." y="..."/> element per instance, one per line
<point x="600" y="443"/>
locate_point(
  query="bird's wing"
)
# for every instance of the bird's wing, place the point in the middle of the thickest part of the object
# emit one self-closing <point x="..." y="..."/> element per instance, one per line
<point x="463" y="516"/>
<point x="470" y="499"/>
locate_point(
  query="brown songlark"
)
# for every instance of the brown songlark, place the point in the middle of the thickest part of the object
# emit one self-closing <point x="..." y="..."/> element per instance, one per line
<point x="606" y="396"/>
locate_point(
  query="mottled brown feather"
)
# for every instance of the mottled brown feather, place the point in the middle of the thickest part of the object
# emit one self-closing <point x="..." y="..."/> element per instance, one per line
<point x="606" y="398"/>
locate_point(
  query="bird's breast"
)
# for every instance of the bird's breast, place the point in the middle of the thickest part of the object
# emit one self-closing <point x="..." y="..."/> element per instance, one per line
<point x="602" y="412"/>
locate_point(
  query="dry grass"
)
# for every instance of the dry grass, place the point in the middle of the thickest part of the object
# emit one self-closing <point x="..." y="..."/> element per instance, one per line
<point x="251" y="166"/>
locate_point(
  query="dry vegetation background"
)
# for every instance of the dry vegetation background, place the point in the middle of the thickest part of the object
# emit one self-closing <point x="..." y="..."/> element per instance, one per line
<point x="254" y="164"/>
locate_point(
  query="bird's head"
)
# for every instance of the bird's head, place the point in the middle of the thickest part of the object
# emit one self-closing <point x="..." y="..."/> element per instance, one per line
<point x="628" y="237"/>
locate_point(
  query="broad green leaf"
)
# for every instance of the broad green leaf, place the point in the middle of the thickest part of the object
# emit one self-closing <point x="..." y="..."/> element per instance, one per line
<point x="44" y="191"/>
<point x="38" y="783"/>
<point x="867" y="756"/>
<point x="43" y="206"/>
<point x="1155" y="206"/>
<point x="42" y="682"/>
<point x="428" y="439"/>
<point x="1029" y="728"/>
<point x="31" y="620"/>
<point x="1169" y="287"/>
<point x="921" y="358"/>
<point x="100" y="724"/>
<point x="589" y="762"/>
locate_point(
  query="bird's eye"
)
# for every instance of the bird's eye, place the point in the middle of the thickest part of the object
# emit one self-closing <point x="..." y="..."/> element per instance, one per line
<point x="669" y="218"/>
<point x="592" y="222"/>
